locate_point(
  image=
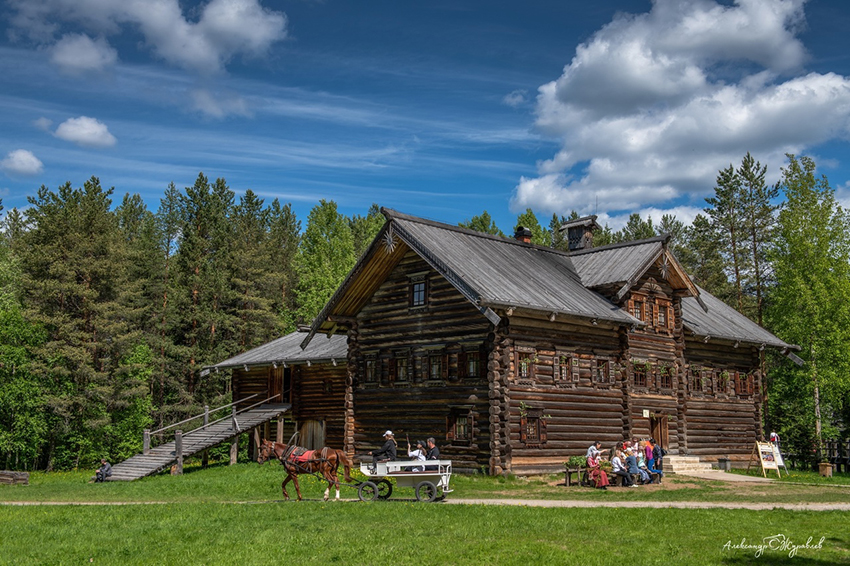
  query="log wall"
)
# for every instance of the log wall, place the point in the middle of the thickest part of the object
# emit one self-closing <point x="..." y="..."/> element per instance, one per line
<point x="421" y="405"/>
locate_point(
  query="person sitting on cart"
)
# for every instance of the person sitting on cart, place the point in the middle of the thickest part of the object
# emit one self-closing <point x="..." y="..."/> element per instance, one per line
<point x="387" y="451"/>
<point x="433" y="453"/>
<point x="417" y="453"/>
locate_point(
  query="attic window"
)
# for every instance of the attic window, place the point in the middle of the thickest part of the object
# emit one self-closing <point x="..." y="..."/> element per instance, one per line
<point x="418" y="293"/>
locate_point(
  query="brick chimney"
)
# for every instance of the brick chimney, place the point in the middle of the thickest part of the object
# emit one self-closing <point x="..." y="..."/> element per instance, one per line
<point x="580" y="232"/>
<point x="523" y="235"/>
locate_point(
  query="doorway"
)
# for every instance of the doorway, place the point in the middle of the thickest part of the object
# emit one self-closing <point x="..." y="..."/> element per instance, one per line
<point x="312" y="435"/>
<point x="280" y="380"/>
<point x="658" y="429"/>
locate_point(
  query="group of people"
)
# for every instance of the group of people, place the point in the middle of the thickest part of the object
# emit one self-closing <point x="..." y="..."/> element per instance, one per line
<point x="420" y="451"/>
<point x="641" y="458"/>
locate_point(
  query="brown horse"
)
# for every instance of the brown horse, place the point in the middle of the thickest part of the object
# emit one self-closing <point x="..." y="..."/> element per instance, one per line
<point x="298" y="460"/>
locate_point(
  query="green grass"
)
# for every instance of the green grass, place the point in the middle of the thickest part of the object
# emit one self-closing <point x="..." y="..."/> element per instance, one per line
<point x="406" y="533"/>
<point x="801" y="476"/>
<point x="251" y="482"/>
<point x="234" y="515"/>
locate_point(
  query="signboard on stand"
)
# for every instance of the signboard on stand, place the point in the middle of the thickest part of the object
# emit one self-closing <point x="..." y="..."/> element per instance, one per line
<point x="765" y="453"/>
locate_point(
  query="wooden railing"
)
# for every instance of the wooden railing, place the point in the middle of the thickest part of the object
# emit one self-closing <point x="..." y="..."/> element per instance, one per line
<point x="834" y="451"/>
<point x="179" y="434"/>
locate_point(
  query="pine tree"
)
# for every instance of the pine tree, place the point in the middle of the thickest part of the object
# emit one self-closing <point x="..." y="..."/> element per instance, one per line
<point x="539" y="235"/>
<point x="724" y="212"/>
<point x="758" y="218"/>
<point x="72" y="263"/>
<point x="701" y="257"/>
<point x="284" y="239"/>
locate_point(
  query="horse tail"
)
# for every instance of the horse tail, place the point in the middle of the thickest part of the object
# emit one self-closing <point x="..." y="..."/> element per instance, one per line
<point x="347" y="464"/>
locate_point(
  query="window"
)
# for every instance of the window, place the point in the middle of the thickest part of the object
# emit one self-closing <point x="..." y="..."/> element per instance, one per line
<point x="662" y="317"/>
<point x="640" y="370"/>
<point x="370" y="370"/>
<point x="532" y="426"/>
<point x="401" y="369"/>
<point x="744" y="384"/>
<point x="707" y="381"/>
<point x="418" y="294"/>
<point x="437" y="366"/>
<point x="636" y="310"/>
<point x="525" y="365"/>
<point x="469" y="364"/>
<point x="603" y="371"/>
<point x="665" y="374"/>
<point x="459" y="425"/>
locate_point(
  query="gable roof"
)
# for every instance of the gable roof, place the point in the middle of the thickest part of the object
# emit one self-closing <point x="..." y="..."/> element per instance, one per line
<point x="724" y="322"/>
<point x="495" y="272"/>
<point x="625" y="263"/>
<point x="490" y="271"/>
<point x="287" y="350"/>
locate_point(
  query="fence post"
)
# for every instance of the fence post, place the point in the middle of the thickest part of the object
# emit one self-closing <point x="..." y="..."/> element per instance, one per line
<point x="178" y="451"/>
<point x="206" y="457"/>
<point x="146" y="442"/>
<point x="234" y="449"/>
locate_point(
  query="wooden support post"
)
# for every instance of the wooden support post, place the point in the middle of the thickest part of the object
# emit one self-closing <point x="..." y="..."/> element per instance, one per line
<point x="267" y="430"/>
<point x="256" y="452"/>
<point x="279" y="435"/>
<point x="146" y="442"/>
<point x="178" y="451"/>
<point x="233" y="422"/>
<point x="206" y="457"/>
<point x="234" y="449"/>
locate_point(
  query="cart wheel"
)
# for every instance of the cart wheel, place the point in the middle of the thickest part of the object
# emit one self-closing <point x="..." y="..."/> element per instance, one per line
<point x="385" y="489"/>
<point x="426" y="491"/>
<point x="367" y="491"/>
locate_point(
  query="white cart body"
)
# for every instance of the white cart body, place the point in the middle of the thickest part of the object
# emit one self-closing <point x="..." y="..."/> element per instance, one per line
<point x="402" y="472"/>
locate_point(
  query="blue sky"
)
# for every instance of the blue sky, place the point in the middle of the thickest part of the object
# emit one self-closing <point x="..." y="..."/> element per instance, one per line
<point x="441" y="109"/>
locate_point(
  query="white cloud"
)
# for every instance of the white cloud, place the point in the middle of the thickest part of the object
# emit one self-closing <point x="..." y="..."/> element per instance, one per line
<point x="516" y="98"/>
<point x="86" y="132"/>
<point x="78" y="53"/>
<point x="223" y="28"/>
<point x="653" y="105"/>
<point x="219" y="105"/>
<point x="21" y="163"/>
<point x="43" y="123"/>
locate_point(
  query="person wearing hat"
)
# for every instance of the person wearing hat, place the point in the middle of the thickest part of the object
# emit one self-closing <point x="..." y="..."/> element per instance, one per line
<point x="387" y="451"/>
<point x="417" y="453"/>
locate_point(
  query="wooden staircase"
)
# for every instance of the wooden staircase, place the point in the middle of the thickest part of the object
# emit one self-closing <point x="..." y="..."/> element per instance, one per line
<point x="194" y="441"/>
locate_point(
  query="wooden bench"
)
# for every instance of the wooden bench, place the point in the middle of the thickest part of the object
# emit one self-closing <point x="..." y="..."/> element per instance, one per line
<point x="581" y="476"/>
<point x="14" y="478"/>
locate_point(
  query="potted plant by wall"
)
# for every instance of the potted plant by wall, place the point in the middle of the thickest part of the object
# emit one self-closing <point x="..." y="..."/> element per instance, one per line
<point x="824" y="467"/>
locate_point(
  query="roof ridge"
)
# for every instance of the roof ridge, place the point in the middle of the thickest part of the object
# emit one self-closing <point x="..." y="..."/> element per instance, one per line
<point x="394" y="214"/>
<point x="661" y="238"/>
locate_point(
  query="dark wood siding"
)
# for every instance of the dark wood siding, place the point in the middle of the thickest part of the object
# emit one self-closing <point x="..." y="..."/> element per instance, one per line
<point x="319" y="394"/>
<point x="387" y="329"/>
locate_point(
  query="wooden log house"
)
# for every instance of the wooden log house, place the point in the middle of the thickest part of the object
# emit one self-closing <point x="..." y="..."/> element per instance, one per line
<point x="311" y="380"/>
<point x="515" y="356"/>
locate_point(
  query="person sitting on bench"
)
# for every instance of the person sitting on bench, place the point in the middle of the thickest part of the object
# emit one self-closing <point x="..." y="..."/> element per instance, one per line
<point x="103" y="472"/>
<point x="387" y="451"/>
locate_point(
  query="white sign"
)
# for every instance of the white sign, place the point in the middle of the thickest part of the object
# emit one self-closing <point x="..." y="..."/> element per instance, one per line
<point x="646" y="413"/>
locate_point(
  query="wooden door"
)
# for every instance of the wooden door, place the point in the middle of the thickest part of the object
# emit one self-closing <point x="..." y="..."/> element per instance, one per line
<point x="312" y="435"/>
<point x="276" y="384"/>
<point x="658" y="429"/>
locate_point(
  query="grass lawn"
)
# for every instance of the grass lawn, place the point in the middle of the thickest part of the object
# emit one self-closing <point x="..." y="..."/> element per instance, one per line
<point x="203" y="521"/>
<point x="251" y="482"/>
<point x="800" y="476"/>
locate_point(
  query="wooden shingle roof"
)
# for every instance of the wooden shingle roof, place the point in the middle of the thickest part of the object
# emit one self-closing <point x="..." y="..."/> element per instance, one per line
<point x="287" y="349"/>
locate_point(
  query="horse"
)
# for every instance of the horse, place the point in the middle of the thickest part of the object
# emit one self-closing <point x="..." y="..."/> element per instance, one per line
<point x="297" y="460"/>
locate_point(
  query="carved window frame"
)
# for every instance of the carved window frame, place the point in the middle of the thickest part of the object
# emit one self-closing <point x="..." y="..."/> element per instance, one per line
<point x="460" y="425"/>
<point x="532" y="427"/>
<point x="525" y="358"/>
<point x="419" y="291"/>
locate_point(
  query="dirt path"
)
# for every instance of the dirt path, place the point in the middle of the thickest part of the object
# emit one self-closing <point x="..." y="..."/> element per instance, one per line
<point x="522" y="502"/>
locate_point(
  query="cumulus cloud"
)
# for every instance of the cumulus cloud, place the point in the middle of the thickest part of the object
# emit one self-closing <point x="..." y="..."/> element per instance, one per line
<point x="21" y="163"/>
<point x="653" y="105"/>
<point x="223" y="28"/>
<point x="86" y="132"/>
<point x="78" y="53"/>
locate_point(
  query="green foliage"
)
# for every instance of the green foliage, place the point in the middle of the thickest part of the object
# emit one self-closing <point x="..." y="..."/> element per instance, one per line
<point x="702" y="259"/>
<point x="539" y="235"/>
<point x="810" y="303"/>
<point x="482" y="223"/>
<point x="324" y="259"/>
<point x="365" y="228"/>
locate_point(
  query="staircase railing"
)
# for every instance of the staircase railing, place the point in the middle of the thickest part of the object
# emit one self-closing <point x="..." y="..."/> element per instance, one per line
<point x="146" y="438"/>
